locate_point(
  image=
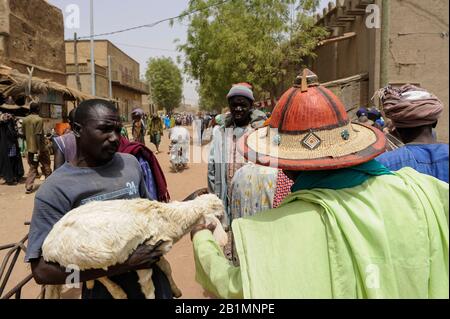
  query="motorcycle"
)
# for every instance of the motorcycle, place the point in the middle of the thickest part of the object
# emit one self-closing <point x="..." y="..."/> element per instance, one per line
<point x="177" y="160"/>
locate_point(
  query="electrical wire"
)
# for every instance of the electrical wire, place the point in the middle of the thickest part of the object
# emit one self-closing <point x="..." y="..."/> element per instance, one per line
<point x="157" y="22"/>
<point x="143" y="47"/>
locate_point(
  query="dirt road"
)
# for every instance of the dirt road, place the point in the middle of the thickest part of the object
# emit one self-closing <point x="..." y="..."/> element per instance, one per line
<point x="16" y="208"/>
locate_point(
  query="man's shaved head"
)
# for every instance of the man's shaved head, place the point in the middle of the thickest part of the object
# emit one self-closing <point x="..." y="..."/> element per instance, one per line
<point x="92" y="110"/>
<point x="97" y="127"/>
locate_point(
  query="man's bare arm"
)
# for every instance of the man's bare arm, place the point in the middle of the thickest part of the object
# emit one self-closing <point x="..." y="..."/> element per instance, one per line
<point x="46" y="273"/>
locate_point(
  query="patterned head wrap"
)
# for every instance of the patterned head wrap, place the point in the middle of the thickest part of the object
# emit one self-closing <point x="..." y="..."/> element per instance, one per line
<point x="410" y="106"/>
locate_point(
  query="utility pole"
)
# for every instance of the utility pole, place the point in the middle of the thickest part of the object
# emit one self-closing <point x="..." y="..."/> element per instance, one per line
<point x="92" y="50"/>
<point x="110" y="77"/>
<point x="30" y="79"/>
<point x="384" y="58"/>
<point x="77" y="68"/>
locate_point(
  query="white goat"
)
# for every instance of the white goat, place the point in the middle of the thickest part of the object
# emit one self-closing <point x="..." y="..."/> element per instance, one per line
<point x="99" y="235"/>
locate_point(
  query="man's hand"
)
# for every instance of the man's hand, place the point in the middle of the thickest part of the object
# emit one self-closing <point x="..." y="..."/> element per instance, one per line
<point x="211" y="227"/>
<point x="143" y="257"/>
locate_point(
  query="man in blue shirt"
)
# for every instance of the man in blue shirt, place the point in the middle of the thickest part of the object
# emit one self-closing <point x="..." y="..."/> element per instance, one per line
<point x="414" y="114"/>
<point x="98" y="172"/>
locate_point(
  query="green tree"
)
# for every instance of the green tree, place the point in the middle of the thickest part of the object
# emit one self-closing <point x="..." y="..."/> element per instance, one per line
<point x="166" y="82"/>
<point x="257" y="41"/>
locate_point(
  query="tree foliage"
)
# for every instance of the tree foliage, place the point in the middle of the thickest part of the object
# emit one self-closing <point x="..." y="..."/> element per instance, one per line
<point x="257" y="41"/>
<point x="166" y="82"/>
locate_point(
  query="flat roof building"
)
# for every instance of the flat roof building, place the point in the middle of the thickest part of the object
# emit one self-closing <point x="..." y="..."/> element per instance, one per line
<point x="127" y="87"/>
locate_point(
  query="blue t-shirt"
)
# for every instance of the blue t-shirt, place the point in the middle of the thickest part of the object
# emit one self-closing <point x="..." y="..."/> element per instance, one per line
<point x="69" y="187"/>
<point x="430" y="159"/>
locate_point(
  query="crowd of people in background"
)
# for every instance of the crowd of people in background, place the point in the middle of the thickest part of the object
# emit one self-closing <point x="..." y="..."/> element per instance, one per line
<point x="28" y="131"/>
<point x="25" y="136"/>
<point x="11" y="167"/>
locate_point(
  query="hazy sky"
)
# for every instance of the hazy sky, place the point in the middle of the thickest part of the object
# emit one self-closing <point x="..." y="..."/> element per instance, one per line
<point x="140" y="44"/>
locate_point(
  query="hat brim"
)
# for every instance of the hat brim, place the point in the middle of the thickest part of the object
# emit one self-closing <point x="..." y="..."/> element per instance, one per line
<point x="365" y="144"/>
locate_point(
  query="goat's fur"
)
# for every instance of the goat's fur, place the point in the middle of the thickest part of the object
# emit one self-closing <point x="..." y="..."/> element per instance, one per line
<point x="99" y="235"/>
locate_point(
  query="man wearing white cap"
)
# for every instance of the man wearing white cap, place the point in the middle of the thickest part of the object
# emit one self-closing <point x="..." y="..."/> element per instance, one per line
<point x="224" y="160"/>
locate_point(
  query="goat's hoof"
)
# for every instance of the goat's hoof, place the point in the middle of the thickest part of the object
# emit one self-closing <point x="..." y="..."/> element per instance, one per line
<point x="177" y="293"/>
<point x="90" y="284"/>
<point x="120" y="295"/>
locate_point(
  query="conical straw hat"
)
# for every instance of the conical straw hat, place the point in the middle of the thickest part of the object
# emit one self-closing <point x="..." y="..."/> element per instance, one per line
<point x="310" y="130"/>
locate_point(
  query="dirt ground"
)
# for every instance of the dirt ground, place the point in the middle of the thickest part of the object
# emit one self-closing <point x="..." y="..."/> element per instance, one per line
<point x="16" y="208"/>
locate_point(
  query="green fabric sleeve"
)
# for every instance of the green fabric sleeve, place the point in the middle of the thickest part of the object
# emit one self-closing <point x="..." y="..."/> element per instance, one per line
<point x="213" y="271"/>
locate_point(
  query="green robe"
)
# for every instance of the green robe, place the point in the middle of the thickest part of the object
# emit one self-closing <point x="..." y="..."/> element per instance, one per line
<point x="154" y="125"/>
<point x="386" y="238"/>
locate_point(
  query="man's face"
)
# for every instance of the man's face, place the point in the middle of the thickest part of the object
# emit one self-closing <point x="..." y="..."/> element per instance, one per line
<point x="240" y="109"/>
<point x="100" y="134"/>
